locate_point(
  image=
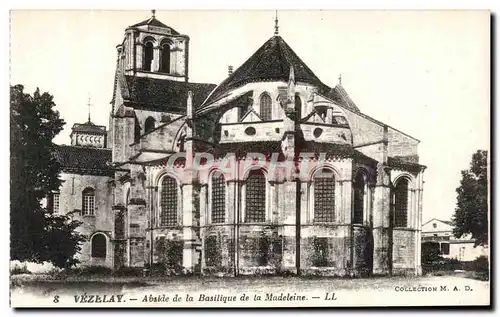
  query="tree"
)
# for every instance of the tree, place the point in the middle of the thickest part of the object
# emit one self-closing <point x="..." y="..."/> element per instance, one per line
<point x="34" y="173"/>
<point x="471" y="213"/>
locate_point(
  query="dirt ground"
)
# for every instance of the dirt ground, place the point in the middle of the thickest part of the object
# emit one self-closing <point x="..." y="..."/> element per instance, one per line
<point x="45" y="285"/>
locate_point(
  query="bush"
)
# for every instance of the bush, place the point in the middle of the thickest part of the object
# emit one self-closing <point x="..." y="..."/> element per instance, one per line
<point x="128" y="272"/>
<point x="162" y="269"/>
<point x="19" y="270"/>
<point x="431" y="253"/>
<point x="481" y="267"/>
<point x="85" y="271"/>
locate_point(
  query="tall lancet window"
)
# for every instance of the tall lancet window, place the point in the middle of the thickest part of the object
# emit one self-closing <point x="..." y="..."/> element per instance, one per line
<point x="255" y="197"/>
<point x="218" y="198"/>
<point x="359" y="198"/>
<point x="324" y="196"/>
<point x="169" y="191"/>
<point x="148" y="56"/>
<point x="401" y="203"/>
<point x="266" y="107"/>
<point x="165" y="58"/>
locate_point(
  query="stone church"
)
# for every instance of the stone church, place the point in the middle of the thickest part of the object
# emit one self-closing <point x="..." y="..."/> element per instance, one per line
<point x="269" y="172"/>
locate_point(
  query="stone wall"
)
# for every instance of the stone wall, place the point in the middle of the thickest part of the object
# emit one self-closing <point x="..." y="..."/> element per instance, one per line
<point x="364" y="130"/>
<point x="403" y="252"/>
<point x="163" y="138"/>
<point x="401" y="144"/>
<point x="102" y="221"/>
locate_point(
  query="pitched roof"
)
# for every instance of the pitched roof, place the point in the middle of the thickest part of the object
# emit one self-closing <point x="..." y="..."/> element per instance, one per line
<point x="88" y="127"/>
<point x="84" y="160"/>
<point x="271" y="62"/>
<point x="405" y="163"/>
<point x="448" y="222"/>
<point x="152" y="21"/>
<point x="164" y="94"/>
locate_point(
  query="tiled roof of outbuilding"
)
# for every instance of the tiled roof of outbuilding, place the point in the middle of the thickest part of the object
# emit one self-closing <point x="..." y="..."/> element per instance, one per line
<point x="88" y="127"/>
<point x="84" y="160"/>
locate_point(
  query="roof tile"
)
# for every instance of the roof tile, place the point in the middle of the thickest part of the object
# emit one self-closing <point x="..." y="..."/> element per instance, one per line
<point x="165" y="95"/>
<point x="79" y="159"/>
<point x="271" y="62"/>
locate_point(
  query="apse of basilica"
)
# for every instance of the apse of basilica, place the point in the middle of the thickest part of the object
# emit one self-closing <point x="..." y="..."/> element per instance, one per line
<point x="269" y="172"/>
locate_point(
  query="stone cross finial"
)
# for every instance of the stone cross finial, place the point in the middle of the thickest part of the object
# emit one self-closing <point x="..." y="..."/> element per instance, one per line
<point x="276" y="27"/>
<point x="153" y="13"/>
<point x="89" y="104"/>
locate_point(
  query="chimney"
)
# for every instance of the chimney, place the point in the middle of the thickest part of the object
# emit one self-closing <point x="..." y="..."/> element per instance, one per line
<point x="230" y="70"/>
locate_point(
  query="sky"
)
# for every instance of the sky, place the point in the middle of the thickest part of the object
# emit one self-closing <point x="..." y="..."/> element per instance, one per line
<point x="424" y="73"/>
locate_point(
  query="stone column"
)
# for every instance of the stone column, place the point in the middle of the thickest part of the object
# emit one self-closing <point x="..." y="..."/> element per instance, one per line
<point x="137" y="231"/>
<point x="187" y="222"/>
<point x="234" y="216"/>
<point x="290" y="243"/>
<point x="139" y="56"/>
<point x="189" y="181"/>
<point x="156" y="59"/>
<point x="382" y="248"/>
<point x="119" y="241"/>
<point x="418" y="243"/>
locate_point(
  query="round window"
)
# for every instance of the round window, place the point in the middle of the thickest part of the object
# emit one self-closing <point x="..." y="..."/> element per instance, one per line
<point x="317" y="132"/>
<point x="250" y="131"/>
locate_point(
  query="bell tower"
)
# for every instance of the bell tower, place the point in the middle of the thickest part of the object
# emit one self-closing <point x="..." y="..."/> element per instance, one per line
<point x="153" y="49"/>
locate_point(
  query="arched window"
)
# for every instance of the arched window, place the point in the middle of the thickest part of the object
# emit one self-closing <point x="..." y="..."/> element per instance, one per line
<point x="401" y="203"/>
<point x="298" y="106"/>
<point x="359" y="198"/>
<point x="169" y="190"/>
<point x="148" y="56"/>
<point x="149" y="125"/>
<point x="88" y="201"/>
<point x="98" y="246"/>
<point x="324" y="196"/>
<point x="165" y="58"/>
<point x="255" y="197"/>
<point x="266" y="107"/>
<point x="218" y="198"/>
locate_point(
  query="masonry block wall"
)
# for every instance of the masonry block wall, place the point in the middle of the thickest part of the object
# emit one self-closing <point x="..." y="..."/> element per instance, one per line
<point x="71" y="199"/>
<point x="403" y="252"/>
<point x="401" y="144"/>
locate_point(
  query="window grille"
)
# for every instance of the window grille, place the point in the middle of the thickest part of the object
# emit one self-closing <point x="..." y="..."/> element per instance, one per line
<point x="169" y="191"/>
<point x="218" y="198"/>
<point x="255" y="197"/>
<point x="324" y="199"/>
